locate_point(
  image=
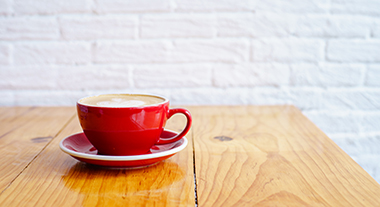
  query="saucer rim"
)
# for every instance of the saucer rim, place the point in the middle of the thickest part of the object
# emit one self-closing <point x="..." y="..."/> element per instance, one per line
<point x="124" y="157"/>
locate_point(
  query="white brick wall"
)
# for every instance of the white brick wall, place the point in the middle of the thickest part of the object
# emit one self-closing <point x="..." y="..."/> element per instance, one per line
<point x="51" y="7"/>
<point x="321" y="55"/>
<point x="52" y="52"/>
<point x="83" y="27"/>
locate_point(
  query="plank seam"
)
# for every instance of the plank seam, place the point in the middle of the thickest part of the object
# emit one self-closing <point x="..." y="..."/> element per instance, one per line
<point x="194" y="172"/>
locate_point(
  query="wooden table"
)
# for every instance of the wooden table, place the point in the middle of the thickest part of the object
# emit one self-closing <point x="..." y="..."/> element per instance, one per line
<point x="237" y="156"/>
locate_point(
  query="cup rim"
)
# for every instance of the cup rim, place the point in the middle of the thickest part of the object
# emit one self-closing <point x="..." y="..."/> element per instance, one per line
<point x="141" y="94"/>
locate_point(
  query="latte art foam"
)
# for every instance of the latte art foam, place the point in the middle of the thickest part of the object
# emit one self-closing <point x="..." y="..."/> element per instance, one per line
<point x="121" y="100"/>
<point x="115" y="102"/>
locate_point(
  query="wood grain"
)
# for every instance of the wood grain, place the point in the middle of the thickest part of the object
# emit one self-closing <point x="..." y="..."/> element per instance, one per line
<point x="273" y="156"/>
<point x="244" y="156"/>
<point x="24" y="132"/>
<point x="56" y="179"/>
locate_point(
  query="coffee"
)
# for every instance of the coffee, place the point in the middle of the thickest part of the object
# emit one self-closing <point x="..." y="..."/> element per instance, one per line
<point x="127" y="124"/>
<point x="121" y="100"/>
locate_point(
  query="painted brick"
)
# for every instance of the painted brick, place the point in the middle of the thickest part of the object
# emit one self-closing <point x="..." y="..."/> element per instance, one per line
<point x="356" y="146"/>
<point x="181" y="51"/>
<point x="370" y="122"/>
<point x="250" y="75"/>
<point x="131" y="51"/>
<point x="219" y="50"/>
<point x="376" y="32"/>
<point x="266" y="96"/>
<point x="373" y="75"/>
<point x="306" y="98"/>
<point x="5" y="53"/>
<point x="7" y="98"/>
<point x="353" y="50"/>
<point x="368" y="7"/>
<point x="293" y="6"/>
<point x="345" y="99"/>
<point x="51" y="6"/>
<point x="5" y="7"/>
<point x="213" y="5"/>
<point x="47" y="97"/>
<point x="178" y="25"/>
<point x="285" y="24"/>
<point x="29" y="28"/>
<point x="164" y="76"/>
<point x="28" y="77"/>
<point x="335" y="121"/>
<point x="51" y="52"/>
<point x="232" y="25"/>
<point x="345" y="26"/>
<point x="254" y="25"/>
<point x="287" y="50"/>
<point x="93" y="78"/>
<point x="121" y="6"/>
<point x="208" y="96"/>
<point x="98" y="27"/>
<point x="376" y="28"/>
<point x="326" y="75"/>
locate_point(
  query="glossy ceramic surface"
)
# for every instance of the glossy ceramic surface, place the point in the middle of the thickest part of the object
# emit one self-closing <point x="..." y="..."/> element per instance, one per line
<point x="78" y="146"/>
<point x="128" y="130"/>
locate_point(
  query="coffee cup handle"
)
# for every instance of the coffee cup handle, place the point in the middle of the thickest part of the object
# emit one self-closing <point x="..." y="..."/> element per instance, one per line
<point x="184" y="131"/>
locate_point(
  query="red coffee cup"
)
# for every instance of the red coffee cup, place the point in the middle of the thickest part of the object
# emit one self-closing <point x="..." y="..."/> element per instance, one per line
<point x="126" y="126"/>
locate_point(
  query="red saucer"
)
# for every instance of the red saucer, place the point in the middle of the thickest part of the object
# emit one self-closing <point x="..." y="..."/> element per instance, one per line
<point x="78" y="146"/>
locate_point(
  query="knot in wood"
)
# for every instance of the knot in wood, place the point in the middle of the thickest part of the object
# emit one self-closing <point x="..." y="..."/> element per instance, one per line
<point x="41" y="139"/>
<point x="223" y="138"/>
